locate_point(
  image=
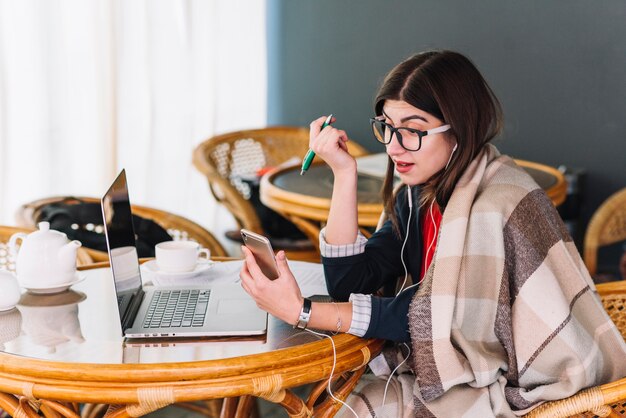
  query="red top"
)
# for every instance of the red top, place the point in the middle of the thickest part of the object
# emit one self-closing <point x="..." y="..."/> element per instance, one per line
<point x="430" y="230"/>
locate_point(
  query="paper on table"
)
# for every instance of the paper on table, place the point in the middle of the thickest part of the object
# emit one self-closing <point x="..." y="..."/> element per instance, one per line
<point x="374" y="165"/>
<point x="169" y="281"/>
<point x="310" y="276"/>
<point x="224" y="272"/>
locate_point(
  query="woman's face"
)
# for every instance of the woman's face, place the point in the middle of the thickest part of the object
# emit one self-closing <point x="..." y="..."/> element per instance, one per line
<point x="416" y="167"/>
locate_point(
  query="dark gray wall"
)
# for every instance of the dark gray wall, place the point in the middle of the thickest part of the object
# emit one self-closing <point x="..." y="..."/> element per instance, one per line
<point x="558" y="67"/>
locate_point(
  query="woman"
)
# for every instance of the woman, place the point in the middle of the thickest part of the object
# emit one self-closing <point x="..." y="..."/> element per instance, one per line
<point x="502" y="314"/>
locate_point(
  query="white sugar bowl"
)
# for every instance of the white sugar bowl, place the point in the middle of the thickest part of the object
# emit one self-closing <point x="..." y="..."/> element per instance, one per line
<point x="9" y="291"/>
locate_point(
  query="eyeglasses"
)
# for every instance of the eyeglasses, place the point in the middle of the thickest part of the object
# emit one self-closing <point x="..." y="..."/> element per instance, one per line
<point x="410" y="139"/>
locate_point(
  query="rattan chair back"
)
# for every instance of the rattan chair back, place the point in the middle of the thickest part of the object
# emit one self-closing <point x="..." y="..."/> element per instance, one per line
<point x="7" y="260"/>
<point x="607" y="226"/>
<point x="178" y="227"/>
<point x="228" y="160"/>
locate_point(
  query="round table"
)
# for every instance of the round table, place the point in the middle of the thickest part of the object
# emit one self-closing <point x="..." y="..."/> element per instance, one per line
<point x="305" y="200"/>
<point x="59" y="350"/>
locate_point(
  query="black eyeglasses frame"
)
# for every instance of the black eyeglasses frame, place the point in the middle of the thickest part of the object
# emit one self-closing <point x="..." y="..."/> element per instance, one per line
<point x="396" y="131"/>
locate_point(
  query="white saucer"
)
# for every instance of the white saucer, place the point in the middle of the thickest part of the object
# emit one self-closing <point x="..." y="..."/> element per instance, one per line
<point x="151" y="267"/>
<point x="57" y="288"/>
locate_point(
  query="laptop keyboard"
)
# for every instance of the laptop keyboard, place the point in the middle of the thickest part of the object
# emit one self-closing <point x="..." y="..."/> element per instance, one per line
<point x="177" y="308"/>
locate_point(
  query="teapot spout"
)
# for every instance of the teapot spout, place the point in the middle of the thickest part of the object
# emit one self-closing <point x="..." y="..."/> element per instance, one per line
<point x="67" y="253"/>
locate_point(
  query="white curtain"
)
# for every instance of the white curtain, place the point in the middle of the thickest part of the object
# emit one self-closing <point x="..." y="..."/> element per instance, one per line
<point x="88" y="87"/>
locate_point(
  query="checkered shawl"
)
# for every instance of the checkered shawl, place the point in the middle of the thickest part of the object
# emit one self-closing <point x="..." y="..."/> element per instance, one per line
<point x="507" y="316"/>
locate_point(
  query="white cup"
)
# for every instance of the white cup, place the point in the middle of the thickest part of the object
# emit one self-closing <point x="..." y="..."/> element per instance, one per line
<point x="180" y="256"/>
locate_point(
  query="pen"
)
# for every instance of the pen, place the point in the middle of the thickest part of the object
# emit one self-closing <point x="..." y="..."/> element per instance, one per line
<point x="310" y="154"/>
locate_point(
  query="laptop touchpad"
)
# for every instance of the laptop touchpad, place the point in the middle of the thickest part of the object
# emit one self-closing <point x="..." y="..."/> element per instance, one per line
<point x="236" y="306"/>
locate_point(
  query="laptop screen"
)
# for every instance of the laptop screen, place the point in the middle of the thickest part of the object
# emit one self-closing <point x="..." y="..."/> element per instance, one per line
<point x="120" y="235"/>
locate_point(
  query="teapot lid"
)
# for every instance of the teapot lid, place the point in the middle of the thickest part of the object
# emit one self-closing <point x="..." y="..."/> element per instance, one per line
<point x="45" y="234"/>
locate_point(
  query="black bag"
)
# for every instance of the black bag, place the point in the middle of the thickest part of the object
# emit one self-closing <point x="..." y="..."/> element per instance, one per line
<point x="82" y="221"/>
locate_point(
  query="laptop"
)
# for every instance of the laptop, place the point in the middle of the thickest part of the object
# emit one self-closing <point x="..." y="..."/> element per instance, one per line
<point x="158" y="312"/>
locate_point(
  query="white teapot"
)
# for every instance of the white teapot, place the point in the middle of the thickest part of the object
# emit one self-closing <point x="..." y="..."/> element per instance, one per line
<point x="44" y="258"/>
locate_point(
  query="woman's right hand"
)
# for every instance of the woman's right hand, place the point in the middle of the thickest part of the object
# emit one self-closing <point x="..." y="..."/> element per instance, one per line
<point x="330" y="144"/>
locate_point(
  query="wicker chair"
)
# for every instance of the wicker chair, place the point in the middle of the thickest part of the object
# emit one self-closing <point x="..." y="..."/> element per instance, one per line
<point x="227" y="160"/>
<point x="607" y="226"/>
<point x="178" y="227"/>
<point x="7" y="261"/>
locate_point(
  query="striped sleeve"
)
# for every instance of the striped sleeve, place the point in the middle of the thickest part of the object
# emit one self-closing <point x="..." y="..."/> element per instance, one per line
<point x="361" y="314"/>
<point x="330" y="251"/>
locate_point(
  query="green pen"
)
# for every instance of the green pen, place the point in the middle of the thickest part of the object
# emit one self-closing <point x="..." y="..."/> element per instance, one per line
<point x="310" y="154"/>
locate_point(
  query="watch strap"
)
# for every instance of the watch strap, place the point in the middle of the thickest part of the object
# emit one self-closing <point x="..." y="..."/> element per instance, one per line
<point x="305" y="315"/>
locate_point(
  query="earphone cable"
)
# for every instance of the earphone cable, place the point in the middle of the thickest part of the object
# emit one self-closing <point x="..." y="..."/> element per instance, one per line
<point x="406" y="238"/>
<point x="382" y="405"/>
<point x="332" y="371"/>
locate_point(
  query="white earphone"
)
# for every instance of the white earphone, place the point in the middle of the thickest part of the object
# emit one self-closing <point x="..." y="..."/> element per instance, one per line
<point x="406" y="238"/>
<point x="456" y="144"/>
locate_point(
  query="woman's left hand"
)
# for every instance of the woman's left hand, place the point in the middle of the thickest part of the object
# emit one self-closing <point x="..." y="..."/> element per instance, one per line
<point x="281" y="297"/>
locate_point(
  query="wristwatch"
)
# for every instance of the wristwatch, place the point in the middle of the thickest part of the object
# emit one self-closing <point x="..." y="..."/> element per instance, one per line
<point x="305" y="315"/>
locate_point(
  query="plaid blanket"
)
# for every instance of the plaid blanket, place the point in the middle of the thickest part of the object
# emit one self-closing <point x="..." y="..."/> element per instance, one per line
<point x="507" y="316"/>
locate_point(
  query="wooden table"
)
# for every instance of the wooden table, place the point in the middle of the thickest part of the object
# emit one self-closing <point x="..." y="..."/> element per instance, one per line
<point x="58" y="351"/>
<point x="305" y="200"/>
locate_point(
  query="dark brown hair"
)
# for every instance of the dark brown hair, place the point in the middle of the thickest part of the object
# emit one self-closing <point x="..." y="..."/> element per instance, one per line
<point x="447" y="85"/>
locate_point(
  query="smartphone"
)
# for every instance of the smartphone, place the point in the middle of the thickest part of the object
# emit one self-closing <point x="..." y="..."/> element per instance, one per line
<point x="263" y="252"/>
